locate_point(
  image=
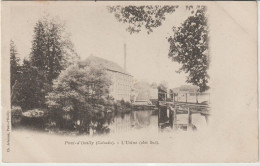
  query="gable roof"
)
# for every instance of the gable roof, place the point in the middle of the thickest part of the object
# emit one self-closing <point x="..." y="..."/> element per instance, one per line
<point x="189" y="88"/>
<point x="109" y="65"/>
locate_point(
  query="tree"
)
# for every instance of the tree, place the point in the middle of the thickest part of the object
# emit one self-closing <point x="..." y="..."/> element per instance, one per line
<point x="189" y="44"/>
<point x="14" y="64"/>
<point x="52" y="51"/>
<point x="138" y="17"/>
<point x="26" y="84"/>
<point x="28" y="91"/>
<point x="163" y="86"/>
<point x="189" y="47"/>
<point x="78" y="100"/>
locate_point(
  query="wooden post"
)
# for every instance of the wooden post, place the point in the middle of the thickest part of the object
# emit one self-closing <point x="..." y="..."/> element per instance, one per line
<point x="158" y="115"/>
<point x="171" y="116"/>
<point x="174" y="118"/>
<point x="197" y="97"/>
<point x="158" y="104"/>
<point x="190" y="117"/>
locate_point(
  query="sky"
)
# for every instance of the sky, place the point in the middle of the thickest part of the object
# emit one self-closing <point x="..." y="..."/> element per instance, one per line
<point x="95" y="31"/>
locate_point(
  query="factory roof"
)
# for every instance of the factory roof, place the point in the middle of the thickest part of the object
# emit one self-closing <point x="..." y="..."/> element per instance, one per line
<point x="108" y="65"/>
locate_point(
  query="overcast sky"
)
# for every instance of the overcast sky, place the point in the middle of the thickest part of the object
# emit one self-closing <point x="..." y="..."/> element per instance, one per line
<point x="96" y="31"/>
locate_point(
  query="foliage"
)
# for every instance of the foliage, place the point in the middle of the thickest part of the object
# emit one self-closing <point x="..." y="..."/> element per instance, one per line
<point x="189" y="47"/>
<point x="28" y="91"/>
<point x="138" y="17"/>
<point x="163" y="86"/>
<point x="16" y="111"/>
<point x="125" y="105"/>
<point x="34" y="113"/>
<point x="14" y="64"/>
<point x="52" y="50"/>
<point x="79" y="97"/>
<point x="16" y="114"/>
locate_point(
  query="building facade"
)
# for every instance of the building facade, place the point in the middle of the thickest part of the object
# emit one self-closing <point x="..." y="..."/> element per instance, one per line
<point x="122" y="81"/>
<point x="122" y="85"/>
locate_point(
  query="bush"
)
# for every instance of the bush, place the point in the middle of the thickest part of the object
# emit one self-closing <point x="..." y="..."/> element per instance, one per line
<point x="35" y="113"/>
<point x="79" y="98"/>
<point x="16" y="115"/>
<point x="16" y="111"/>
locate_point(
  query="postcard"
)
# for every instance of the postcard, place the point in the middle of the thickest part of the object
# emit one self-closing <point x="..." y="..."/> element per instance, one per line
<point x="129" y="82"/>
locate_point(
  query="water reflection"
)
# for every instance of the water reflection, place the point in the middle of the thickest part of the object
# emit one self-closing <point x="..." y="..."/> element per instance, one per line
<point x="134" y="120"/>
<point x="123" y="122"/>
<point x="148" y="120"/>
<point x="140" y="119"/>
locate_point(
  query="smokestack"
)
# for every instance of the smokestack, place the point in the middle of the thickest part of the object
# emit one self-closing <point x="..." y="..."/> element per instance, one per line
<point x="125" y="57"/>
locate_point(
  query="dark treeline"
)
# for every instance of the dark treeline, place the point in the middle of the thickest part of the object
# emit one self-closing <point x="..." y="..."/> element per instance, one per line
<point x="51" y="52"/>
<point x="50" y="82"/>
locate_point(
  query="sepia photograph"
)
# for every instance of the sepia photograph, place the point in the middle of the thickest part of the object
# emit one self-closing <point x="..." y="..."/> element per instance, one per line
<point x="114" y="79"/>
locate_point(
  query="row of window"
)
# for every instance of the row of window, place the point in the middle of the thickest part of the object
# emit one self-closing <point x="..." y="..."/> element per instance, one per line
<point x="121" y="87"/>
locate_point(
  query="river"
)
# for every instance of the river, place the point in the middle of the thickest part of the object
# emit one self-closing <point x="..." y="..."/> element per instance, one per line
<point x="144" y="120"/>
<point x="148" y="120"/>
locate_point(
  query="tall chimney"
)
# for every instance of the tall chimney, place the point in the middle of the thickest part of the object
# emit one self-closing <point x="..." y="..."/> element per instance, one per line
<point x="124" y="56"/>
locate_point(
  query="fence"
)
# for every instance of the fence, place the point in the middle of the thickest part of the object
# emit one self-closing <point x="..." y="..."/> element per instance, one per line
<point x="171" y="104"/>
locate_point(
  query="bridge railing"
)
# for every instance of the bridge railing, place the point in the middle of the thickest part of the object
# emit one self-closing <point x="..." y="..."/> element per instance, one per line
<point x="192" y="97"/>
<point x="171" y="104"/>
<point x="187" y="97"/>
